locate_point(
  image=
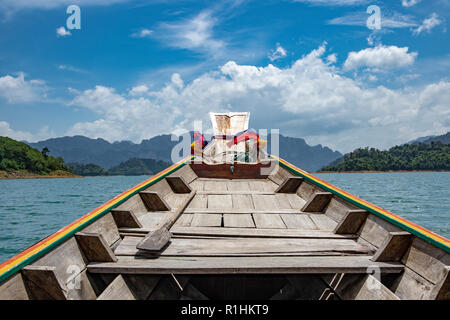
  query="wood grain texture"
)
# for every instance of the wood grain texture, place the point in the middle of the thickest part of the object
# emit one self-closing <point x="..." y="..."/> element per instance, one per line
<point x="117" y="290"/>
<point x="238" y="221"/>
<point x="244" y="265"/>
<point x="94" y="247"/>
<point x="322" y="221"/>
<point x="154" y="201"/>
<point x="43" y="283"/>
<point x="125" y="218"/>
<point x="272" y="221"/>
<point x="289" y="185"/>
<point x="206" y="220"/>
<point x="317" y="202"/>
<point x="247" y="246"/>
<point x="298" y="221"/>
<point x="393" y="247"/>
<point x="351" y="222"/>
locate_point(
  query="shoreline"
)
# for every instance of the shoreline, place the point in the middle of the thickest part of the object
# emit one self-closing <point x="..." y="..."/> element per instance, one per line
<point x="16" y="175"/>
<point x="375" y="171"/>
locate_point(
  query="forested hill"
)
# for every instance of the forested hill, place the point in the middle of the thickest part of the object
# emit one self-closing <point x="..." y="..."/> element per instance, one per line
<point x="19" y="159"/>
<point x="409" y="157"/>
<point x="83" y="150"/>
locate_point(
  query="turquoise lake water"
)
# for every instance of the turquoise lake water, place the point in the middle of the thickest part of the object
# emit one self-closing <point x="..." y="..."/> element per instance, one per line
<point x="32" y="209"/>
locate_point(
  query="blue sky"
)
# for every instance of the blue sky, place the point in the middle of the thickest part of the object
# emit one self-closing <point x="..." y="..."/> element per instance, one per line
<point x="311" y="68"/>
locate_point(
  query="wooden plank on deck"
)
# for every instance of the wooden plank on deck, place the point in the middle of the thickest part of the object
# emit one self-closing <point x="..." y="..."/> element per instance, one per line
<point x="245" y="265"/>
<point x="268" y="221"/>
<point x="206" y="220"/>
<point x="238" y="221"/>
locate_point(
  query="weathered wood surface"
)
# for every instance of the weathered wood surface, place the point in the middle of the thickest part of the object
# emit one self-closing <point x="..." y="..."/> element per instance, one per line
<point x="223" y="202"/>
<point x="247" y="246"/>
<point x="134" y="204"/>
<point x="272" y="221"/>
<point x="117" y="290"/>
<point x="362" y="287"/>
<point x="317" y="202"/>
<point x="186" y="172"/>
<point x="298" y="221"/>
<point x="94" y="247"/>
<point x="247" y="232"/>
<point x="67" y="260"/>
<point x="206" y="220"/>
<point x="241" y="211"/>
<point x="394" y="247"/>
<point x="154" y="241"/>
<point x="13" y="288"/>
<point x="154" y="201"/>
<point x="375" y="230"/>
<point x="154" y="220"/>
<point x="290" y="185"/>
<point x="178" y="184"/>
<point x="158" y="239"/>
<point x="125" y="218"/>
<point x="427" y="260"/>
<point x="106" y="226"/>
<point x="238" y="221"/>
<point x="322" y="221"/>
<point x="244" y="265"/>
<point x="184" y="220"/>
<point x="43" y="283"/>
<point x="351" y="222"/>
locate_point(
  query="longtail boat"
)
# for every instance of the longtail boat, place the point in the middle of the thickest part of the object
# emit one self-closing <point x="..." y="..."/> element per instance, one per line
<point x="231" y="221"/>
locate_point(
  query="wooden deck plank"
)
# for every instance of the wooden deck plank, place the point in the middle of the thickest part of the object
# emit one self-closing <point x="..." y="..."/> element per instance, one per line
<point x="222" y="201"/>
<point x="154" y="220"/>
<point x="247" y="232"/>
<point x="242" y="201"/>
<point x="323" y="221"/>
<point x="200" y="201"/>
<point x="197" y="185"/>
<point x="247" y="246"/>
<point x="245" y="265"/>
<point x="261" y="185"/>
<point x="212" y="185"/>
<point x="283" y="201"/>
<point x="295" y="201"/>
<point x="238" y="186"/>
<point x="242" y="211"/>
<point x="206" y="220"/>
<point x="272" y="221"/>
<point x="184" y="220"/>
<point x="265" y="201"/>
<point x="174" y="200"/>
<point x="298" y="221"/>
<point x="238" y="221"/>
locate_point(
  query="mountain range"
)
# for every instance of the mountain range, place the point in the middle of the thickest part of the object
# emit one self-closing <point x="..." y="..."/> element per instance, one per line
<point x="83" y="150"/>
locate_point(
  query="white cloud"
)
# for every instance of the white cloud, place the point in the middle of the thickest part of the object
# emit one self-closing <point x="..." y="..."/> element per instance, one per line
<point x="410" y="3"/>
<point x="139" y="90"/>
<point x="332" y="58"/>
<point x="309" y="99"/>
<point x="7" y="131"/>
<point x="391" y="20"/>
<point x="195" y="34"/>
<point x="17" y="89"/>
<point x="62" y="32"/>
<point x="278" y="53"/>
<point x="428" y="24"/>
<point x="380" y="57"/>
<point x="143" y="33"/>
<point x="71" y="68"/>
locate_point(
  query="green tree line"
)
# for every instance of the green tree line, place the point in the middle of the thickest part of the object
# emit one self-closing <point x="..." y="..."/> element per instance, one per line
<point x="18" y="156"/>
<point x="420" y="156"/>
